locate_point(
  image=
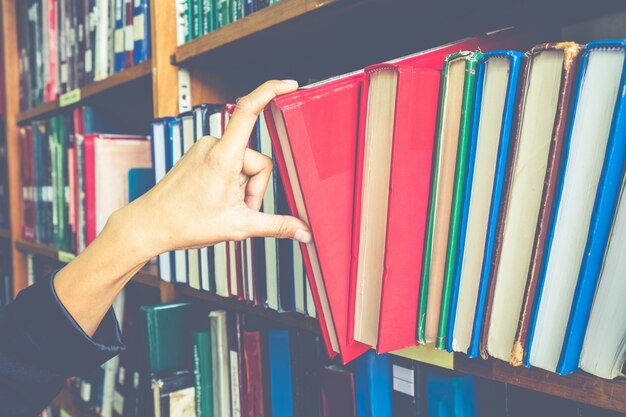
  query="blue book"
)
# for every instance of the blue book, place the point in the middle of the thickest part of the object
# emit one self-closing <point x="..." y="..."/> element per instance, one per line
<point x="372" y="376"/>
<point x="601" y="221"/>
<point x="141" y="24"/>
<point x="118" y="37"/>
<point x="97" y="122"/>
<point x="508" y="115"/>
<point x="161" y="163"/>
<point x="279" y="353"/>
<point x="573" y="292"/>
<point x="248" y="7"/>
<point x="140" y="180"/>
<point x="451" y="396"/>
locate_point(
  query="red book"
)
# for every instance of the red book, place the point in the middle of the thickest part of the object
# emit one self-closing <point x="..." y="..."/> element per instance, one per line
<point x="129" y="34"/>
<point x="51" y="88"/>
<point x="392" y="324"/>
<point x="253" y="361"/>
<point x="314" y="132"/>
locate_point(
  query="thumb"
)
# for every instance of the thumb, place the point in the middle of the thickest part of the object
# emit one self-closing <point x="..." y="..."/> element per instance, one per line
<point x="279" y="226"/>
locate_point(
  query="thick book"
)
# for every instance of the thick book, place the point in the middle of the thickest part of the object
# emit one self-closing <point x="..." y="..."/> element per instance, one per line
<point x="603" y="348"/>
<point x="588" y="189"/>
<point x="169" y="336"/>
<point x="372" y="380"/>
<point x="174" y="395"/>
<point x="494" y="111"/>
<point x="395" y="153"/>
<point x="338" y="392"/>
<point x="457" y="87"/>
<point x="537" y="143"/>
<point x="161" y="163"/>
<point x="327" y="115"/>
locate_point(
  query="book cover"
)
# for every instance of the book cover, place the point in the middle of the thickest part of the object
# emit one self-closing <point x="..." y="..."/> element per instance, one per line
<point x="373" y="385"/>
<point x="141" y="31"/>
<point x="280" y="364"/>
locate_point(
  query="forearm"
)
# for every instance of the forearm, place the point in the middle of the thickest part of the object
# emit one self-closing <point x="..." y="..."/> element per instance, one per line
<point x="89" y="284"/>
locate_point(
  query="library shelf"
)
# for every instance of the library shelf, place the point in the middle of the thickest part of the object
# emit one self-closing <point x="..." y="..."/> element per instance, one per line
<point x="121" y="79"/>
<point x="5" y="234"/>
<point x="37" y="249"/>
<point x="579" y="386"/>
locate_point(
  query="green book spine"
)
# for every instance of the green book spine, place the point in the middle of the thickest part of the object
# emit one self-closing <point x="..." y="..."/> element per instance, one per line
<point x="189" y="12"/>
<point x="469" y="87"/>
<point x="236" y="10"/>
<point x="169" y="337"/>
<point x="208" y="20"/>
<point x="428" y="246"/>
<point x="223" y="12"/>
<point x="197" y="18"/>
<point x="54" y="140"/>
<point x="203" y="370"/>
<point x="273" y="2"/>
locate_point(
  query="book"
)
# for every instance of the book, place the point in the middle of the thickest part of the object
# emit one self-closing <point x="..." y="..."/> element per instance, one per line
<point x="141" y="31"/>
<point x="543" y="111"/>
<point x="169" y="336"/>
<point x="254" y="370"/>
<point x="373" y="386"/>
<point x="404" y="395"/>
<point x="494" y="112"/>
<point x="220" y="358"/>
<point x="161" y="163"/>
<point x="280" y="365"/>
<point x="603" y="350"/>
<point x="457" y="94"/>
<point x="395" y="152"/>
<point x="203" y="373"/>
<point x="588" y="188"/>
<point x="338" y="392"/>
<point x="180" y="256"/>
<point x="174" y="395"/>
<point x="119" y="44"/>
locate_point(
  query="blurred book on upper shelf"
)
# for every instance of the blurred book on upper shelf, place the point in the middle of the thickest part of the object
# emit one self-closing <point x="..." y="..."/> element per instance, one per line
<point x="67" y="44"/>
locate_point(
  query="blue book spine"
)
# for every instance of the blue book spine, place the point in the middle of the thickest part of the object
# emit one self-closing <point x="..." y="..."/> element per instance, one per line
<point x="248" y="7"/>
<point x="280" y="373"/>
<point x="141" y="25"/>
<point x="118" y="36"/>
<point x="508" y="116"/>
<point x="600" y="226"/>
<point x="372" y="376"/>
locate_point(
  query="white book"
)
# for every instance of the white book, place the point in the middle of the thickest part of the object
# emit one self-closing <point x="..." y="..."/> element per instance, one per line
<point x="160" y="142"/>
<point x="604" y="347"/>
<point x="219" y="250"/>
<point x="488" y="141"/>
<point x="269" y="206"/>
<point x="520" y="222"/>
<point x="221" y="364"/>
<point x="112" y="365"/>
<point x="180" y="256"/>
<point x="181" y="21"/>
<point x="601" y="84"/>
<point x="102" y="40"/>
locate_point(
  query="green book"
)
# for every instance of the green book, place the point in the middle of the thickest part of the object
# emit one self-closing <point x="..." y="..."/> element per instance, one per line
<point x="208" y="16"/>
<point x="236" y="10"/>
<point x="223" y="13"/>
<point x="58" y="152"/>
<point x="203" y="371"/>
<point x="190" y="20"/>
<point x="441" y="191"/>
<point x="169" y="336"/>
<point x="456" y="213"/>
<point x="198" y="17"/>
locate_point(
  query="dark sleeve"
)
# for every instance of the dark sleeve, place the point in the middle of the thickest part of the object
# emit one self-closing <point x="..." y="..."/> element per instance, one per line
<point x="41" y="345"/>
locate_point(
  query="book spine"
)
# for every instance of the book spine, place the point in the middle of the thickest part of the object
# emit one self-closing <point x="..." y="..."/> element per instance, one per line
<point x="197" y="18"/>
<point x="208" y="19"/>
<point x="129" y="34"/>
<point x="141" y="28"/>
<point x="189" y="17"/>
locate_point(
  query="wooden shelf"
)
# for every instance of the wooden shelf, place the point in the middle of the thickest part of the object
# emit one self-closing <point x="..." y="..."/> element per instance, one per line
<point x="121" y="79"/>
<point x="37" y="249"/>
<point x="579" y="386"/>
<point x="5" y="234"/>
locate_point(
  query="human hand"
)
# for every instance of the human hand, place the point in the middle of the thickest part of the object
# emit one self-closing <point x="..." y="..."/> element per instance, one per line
<point x="215" y="191"/>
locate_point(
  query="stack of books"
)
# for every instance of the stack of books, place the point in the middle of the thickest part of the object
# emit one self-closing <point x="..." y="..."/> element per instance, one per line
<point x="475" y="201"/>
<point x="74" y="178"/>
<point x="199" y="17"/>
<point x="267" y="272"/>
<point x="67" y="44"/>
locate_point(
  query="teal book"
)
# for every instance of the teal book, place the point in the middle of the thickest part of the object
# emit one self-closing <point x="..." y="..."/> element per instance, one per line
<point x="169" y="336"/>
<point x="203" y="371"/>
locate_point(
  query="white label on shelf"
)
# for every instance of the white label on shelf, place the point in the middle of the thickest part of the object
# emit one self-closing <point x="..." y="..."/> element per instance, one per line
<point x="139" y="28"/>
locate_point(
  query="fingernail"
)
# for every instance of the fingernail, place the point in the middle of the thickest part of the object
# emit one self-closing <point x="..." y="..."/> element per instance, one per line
<point x="302" y="236"/>
<point x="291" y="82"/>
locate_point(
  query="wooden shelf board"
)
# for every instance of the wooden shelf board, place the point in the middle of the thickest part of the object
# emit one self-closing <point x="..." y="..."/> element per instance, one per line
<point x="90" y="91"/>
<point x="579" y="386"/>
<point x="37" y="249"/>
<point x="5" y="234"/>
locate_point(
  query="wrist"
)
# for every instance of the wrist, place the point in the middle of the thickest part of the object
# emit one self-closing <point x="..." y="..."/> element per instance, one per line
<point x="133" y="232"/>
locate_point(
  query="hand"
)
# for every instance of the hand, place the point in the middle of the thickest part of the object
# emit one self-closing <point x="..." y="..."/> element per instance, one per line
<point x="215" y="191"/>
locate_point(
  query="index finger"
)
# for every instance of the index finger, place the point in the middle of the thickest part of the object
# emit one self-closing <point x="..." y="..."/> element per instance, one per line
<point x="249" y="108"/>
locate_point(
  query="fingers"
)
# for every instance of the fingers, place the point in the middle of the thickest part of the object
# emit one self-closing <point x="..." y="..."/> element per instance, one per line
<point x="258" y="168"/>
<point x="249" y="108"/>
<point x="273" y="225"/>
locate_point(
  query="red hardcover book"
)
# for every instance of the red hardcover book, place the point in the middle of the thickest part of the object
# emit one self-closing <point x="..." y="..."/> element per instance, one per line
<point x="392" y="324"/>
<point x="254" y="371"/>
<point x="314" y="134"/>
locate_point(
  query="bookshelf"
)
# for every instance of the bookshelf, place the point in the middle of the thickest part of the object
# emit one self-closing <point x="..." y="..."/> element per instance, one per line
<point x="300" y="39"/>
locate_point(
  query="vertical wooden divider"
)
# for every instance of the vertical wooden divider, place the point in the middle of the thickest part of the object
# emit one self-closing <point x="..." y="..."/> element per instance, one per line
<point x="12" y="107"/>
